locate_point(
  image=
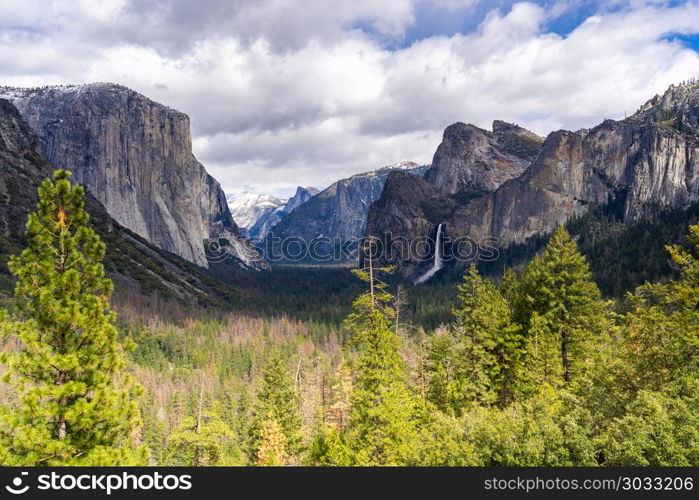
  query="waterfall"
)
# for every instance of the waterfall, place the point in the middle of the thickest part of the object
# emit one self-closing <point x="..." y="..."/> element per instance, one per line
<point x="437" y="265"/>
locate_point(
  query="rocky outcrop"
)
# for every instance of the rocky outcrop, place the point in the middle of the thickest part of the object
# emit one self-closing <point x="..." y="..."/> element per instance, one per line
<point x="135" y="156"/>
<point x="677" y="108"/>
<point x="472" y="158"/>
<point x="643" y="165"/>
<point x="339" y="213"/>
<point x="301" y="196"/>
<point x="409" y="205"/>
<point x="642" y="168"/>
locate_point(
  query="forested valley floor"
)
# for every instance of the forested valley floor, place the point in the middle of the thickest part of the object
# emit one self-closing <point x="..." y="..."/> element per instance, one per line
<point x="534" y="368"/>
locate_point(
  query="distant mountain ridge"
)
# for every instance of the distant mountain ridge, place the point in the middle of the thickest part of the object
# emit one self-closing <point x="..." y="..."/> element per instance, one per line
<point x="339" y="212"/>
<point x="264" y="225"/>
<point x="247" y="208"/>
<point x="257" y="213"/>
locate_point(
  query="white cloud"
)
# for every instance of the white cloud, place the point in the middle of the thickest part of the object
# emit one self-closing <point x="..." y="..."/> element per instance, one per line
<point x="281" y="95"/>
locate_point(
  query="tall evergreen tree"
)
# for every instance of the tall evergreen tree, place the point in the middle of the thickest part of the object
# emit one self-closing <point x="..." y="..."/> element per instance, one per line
<point x="202" y="440"/>
<point x="443" y="389"/>
<point x="489" y="346"/>
<point x="382" y="428"/>
<point x="544" y="351"/>
<point x="76" y="406"/>
<point x="662" y="327"/>
<point x="559" y="302"/>
<point x="277" y="398"/>
<point x="481" y="362"/>
<point x="475" y="330"/>
<point x="509" y="286"/>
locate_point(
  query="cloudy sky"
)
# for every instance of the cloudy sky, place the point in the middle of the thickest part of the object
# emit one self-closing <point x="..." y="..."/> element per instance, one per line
<point x="283" y="93"/>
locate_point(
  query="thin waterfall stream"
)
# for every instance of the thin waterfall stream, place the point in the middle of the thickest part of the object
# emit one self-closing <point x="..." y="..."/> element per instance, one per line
<point x="437" y="264"/>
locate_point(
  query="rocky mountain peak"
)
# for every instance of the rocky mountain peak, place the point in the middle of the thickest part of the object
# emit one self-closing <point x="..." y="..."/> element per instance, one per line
<point x="473" y="158"/>
<point x="258" y="213"/>
<point x="517" y="140"/>
<point x="639" y="167"/>
<point x="301" y="196"/>
<point x="401" y="165"/>
<point x="247" y="208"/>
<point x="677" y="109"/>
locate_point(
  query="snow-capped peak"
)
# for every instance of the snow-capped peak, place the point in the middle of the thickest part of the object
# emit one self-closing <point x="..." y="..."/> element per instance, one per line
<point x="247" y="208"/>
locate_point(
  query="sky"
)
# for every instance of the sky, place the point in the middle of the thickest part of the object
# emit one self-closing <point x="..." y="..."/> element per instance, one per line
<point x="284" y="93"/>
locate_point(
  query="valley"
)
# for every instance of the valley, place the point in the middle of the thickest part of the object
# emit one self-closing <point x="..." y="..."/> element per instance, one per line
<point x="237" y="354"/>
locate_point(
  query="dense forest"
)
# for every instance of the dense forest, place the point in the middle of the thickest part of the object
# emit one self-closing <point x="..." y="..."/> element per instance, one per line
<point x="536" y="367"/>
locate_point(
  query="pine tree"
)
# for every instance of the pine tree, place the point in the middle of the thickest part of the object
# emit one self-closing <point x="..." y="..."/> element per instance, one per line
<point x="271" y="447"/>
<point x="544" y="352"/>
<point x="329" y="449"/>
<point x="276" y="396"/>
<point x="155" y="429"/>
<point x="382" y="426"/>
<point x="662" y="328"/>
<point x="511" y="350"/>
<point x="202" y="440"/>
<point x="510" y="355"/>
<point x="443" y="388"/>
<point x="509" y="287"/>
<point x="488" y="346"/>
<point x="76" y="406"/>
<point x="559" y="301"/>
<point x="475" y="330"/>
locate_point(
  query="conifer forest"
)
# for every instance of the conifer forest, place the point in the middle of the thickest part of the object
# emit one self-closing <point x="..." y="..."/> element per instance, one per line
<point x="535" y="367"/>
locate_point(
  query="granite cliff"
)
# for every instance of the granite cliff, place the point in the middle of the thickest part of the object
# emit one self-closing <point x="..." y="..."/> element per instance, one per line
<point x="135" y="156"/>
<point x="133" y="263"/>
<point x="643" y="165"/>
<point x="472" y="158"/>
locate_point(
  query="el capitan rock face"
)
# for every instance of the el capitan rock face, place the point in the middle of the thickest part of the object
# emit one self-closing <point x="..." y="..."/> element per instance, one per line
<point x="134" y="264"/>
<point x="644" y="165"/>
<point x="135" y="156"/>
